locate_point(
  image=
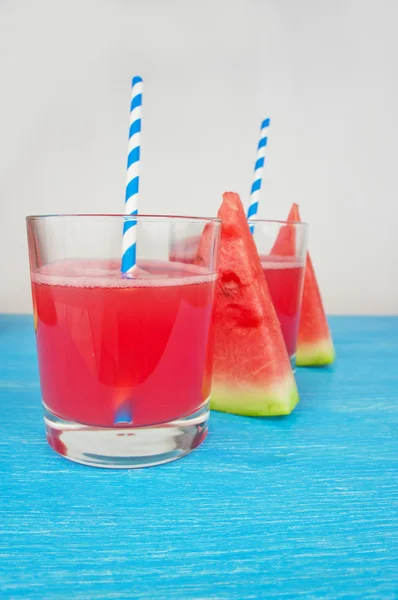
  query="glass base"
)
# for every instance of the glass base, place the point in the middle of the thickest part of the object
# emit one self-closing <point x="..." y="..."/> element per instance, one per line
<point x="126" y="447"/>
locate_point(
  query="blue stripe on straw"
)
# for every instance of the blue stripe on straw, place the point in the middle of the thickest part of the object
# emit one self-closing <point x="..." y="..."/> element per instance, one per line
<point x="129" y="223"/>
<point x="132" y="187"/>
<point x="133" y="157"/>
<point x="253" y="208"/>
<point x="136" y="79"/>
<point x="135" y="128"/>
<point x="259" y="163"/>
<point x="136" y="102"/>
<point x="256" y="185"/>
<point x="258" y="171"/>
<point x="129" y="258"/>
<point x="124" y="413"/>
<point x="262" y="143"/>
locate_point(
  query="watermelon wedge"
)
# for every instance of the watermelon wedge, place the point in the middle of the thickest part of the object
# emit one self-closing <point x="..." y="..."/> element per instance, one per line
<point x="285" y="243"/>
<point x="314" y="342"/>
<point x="252" y="373"/>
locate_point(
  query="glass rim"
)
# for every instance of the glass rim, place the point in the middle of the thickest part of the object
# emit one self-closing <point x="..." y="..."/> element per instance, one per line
<point x="140" y="217"/>
<point x="277" y="221"/>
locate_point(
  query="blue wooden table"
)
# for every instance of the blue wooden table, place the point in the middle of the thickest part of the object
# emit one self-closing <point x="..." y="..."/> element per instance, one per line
<point x="303" y="506"/>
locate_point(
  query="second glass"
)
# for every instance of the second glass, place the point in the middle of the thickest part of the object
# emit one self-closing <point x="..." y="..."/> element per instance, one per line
<point x="282" y="246"/>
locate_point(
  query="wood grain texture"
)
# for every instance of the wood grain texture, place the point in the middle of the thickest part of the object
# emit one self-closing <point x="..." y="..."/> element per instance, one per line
<point x="303" y="506"/>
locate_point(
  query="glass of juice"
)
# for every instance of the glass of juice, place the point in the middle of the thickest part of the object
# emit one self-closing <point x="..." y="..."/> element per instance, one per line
<point x="282" y="246"/>
<point x="125" y="361"/>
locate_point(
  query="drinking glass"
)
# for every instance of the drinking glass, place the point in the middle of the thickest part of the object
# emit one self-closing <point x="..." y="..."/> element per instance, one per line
<point x="282" y="246"/>
<point x="125" y="361"/>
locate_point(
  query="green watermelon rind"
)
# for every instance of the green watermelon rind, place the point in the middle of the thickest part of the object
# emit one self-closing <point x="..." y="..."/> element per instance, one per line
<point x="315" y="354"/>
<point x="254" y="401"/>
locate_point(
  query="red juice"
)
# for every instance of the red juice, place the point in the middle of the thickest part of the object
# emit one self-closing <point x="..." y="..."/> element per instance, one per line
<point x="284" y="276"/>
<point x="123" y="351"/>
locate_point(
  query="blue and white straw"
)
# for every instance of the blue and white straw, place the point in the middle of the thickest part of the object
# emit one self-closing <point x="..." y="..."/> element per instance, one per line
<point x="258" y="169"/>
<point x="133" y="178"/>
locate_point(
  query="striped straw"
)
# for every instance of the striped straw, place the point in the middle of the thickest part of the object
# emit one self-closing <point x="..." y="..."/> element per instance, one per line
<point x="133" y="178"/>
<point x="258" y="169"/>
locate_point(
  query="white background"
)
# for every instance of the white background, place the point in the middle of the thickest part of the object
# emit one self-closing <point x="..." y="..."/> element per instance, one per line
<point x="325" y="71"/>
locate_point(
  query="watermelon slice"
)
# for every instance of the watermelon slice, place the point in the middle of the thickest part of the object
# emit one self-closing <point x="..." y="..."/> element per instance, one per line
<point x="314" y="343"/>
<point x="285" y="243"/>
<point x="252" y="373"/>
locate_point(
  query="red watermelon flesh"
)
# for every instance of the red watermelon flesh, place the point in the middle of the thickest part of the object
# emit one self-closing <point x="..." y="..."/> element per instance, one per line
<point x="251" y="373"/>
<point x="285" y="244"/>
<point x="314" y="343"/>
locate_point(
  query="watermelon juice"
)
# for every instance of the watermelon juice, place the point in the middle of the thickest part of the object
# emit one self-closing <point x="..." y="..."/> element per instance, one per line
<point x="123" y="352"/>
<point x="285" y="277"/>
